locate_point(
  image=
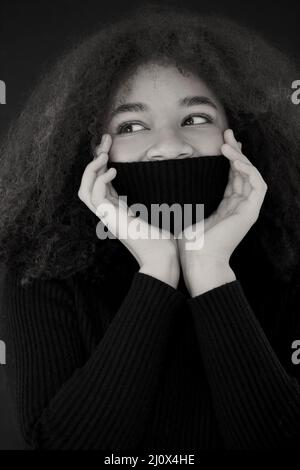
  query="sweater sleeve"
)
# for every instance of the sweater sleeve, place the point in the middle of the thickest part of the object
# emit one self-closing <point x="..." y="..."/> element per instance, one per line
<point x="256" y="400"/>
<point x="66" y="402"/>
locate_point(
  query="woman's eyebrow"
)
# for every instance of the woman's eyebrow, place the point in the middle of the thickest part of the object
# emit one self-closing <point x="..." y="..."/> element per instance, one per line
<point x="129" y="107"/>
<point x="142" y="107"/>
<point x="196" y="100"/>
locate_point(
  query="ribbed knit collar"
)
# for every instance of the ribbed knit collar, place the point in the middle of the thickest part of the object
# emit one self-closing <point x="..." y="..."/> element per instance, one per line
<point x="192" y="180"/>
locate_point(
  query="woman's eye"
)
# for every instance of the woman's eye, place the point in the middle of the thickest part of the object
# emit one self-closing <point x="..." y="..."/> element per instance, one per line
<point x="125" y="128"/>
<point x="202" y="119"/>
<point x="131" y="127"/>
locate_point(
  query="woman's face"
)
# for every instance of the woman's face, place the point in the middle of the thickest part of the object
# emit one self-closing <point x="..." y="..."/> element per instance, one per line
<point x="160" y="114"/>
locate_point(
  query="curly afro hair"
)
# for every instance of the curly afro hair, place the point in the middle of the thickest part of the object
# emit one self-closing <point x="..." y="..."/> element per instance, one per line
<point x="46" y="231"/>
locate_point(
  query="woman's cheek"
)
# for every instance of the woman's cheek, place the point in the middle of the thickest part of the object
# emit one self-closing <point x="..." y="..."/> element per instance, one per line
<point x="211" y="142"/>
<point x="124" y="150"/>
<point x="217" y="139"/>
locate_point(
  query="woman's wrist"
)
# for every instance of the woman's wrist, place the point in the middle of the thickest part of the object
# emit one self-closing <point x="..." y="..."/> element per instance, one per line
<point x="165" y="269"/>
<point x="209" y="277"/>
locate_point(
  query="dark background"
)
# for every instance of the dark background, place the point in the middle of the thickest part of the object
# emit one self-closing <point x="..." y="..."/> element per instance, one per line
<point x="32" y="33"/>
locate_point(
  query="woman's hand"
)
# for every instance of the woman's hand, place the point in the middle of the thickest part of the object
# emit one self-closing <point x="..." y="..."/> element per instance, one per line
<point x="208" y="266"/>
<point x="155" y="250"/>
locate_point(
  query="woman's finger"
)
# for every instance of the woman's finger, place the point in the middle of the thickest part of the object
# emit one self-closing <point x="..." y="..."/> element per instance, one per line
<point x="112" y="191"/>
<point x="237" y="179"/>
<point x="229" y="188"/>
<point x="95" y="167"/>
<point x="230" y="139"/>
<point x="100" y="190"/>
<point x="254" y="187"/>
<point x="109" y="175"/>
<point x="100" y="163"/>
<point x="238" y="182"/>
<point x="102" y="153"/>
<point x="104" y="145"/>
<point x="89" y="175"/>
<point x="247" y="188"/>
<point x="251" y="171"/>
<point x="256" y="182"/>
<point x="233" y="154"/>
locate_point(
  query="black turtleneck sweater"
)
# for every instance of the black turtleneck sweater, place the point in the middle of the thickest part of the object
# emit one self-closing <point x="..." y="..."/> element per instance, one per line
<point x="136" y="364"/>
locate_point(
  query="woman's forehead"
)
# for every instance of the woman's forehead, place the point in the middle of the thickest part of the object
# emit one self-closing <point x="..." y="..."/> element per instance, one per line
<point x="152" y="78"/>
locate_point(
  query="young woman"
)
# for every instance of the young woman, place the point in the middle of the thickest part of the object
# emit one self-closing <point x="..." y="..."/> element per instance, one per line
<point x="139" y="343"/>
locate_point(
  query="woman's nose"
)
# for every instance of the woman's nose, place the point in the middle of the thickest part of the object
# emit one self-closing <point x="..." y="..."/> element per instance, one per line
<point x="169" y="145"/>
